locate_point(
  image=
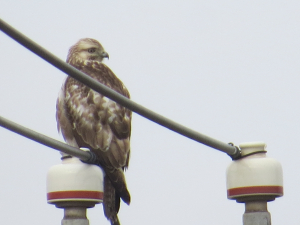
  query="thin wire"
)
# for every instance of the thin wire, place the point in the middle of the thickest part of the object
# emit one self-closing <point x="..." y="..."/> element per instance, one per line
<point x="85" y="156"/>
<point x="90" y="82"/>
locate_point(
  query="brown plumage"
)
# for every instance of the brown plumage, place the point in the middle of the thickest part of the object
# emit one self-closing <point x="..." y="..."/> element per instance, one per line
<point x="91" y="120"/>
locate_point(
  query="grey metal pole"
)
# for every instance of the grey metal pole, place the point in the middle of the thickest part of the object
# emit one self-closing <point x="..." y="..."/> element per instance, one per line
<point x="256" y="213"/>
<point x="75" y="212"/>
<point x="231" y="150"/>
<point x="75" y="216"/>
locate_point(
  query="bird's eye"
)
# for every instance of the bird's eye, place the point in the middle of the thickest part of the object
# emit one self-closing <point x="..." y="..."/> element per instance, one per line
<point x="91" y="50"/>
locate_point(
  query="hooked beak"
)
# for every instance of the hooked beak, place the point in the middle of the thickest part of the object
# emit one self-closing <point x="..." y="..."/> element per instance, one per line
<point x="104" y="55"/>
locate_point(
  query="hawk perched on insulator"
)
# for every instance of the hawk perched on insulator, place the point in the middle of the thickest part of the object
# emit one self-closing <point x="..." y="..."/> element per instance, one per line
<point x="91" y="120"/>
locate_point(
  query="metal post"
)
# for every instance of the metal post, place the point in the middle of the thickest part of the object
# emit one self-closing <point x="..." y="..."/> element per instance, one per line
<point x="256" y="213"/>
<point x="75" y="216"/>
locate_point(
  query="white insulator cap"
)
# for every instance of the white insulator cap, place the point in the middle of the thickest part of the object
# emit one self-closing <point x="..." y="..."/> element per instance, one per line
<point x="254" y="176"/>
<point x="74" y="181"/>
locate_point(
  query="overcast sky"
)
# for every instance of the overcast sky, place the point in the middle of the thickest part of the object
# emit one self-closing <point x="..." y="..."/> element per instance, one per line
<point x="228" y="69"/>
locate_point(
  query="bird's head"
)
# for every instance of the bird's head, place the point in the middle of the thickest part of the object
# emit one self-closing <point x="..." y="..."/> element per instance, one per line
<point x="87" y="49"/>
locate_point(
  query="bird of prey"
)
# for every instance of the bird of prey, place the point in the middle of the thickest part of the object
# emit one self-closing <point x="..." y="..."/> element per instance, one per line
<point x="91" y="120"/>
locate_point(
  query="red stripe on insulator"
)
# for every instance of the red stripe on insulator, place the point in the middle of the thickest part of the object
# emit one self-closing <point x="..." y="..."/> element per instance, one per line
<point x="75" y="194"/>
<point x="278" y="190"/>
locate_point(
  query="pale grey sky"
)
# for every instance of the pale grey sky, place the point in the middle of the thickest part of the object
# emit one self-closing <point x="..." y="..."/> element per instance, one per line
<point x="228" y="69"/>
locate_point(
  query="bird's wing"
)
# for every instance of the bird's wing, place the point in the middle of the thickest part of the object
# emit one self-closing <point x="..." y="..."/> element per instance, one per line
<point x="98" y="122"/>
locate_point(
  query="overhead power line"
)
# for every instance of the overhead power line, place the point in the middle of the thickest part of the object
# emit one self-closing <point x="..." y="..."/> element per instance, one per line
<point x="231" y="150"/>
<point x="85" y="156"/>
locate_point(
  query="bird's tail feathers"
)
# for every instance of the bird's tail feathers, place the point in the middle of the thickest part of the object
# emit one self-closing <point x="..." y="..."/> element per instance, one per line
<point x="111" y="202"/>
<point x="114" y="220"/>
<point x="117" y="179"/>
